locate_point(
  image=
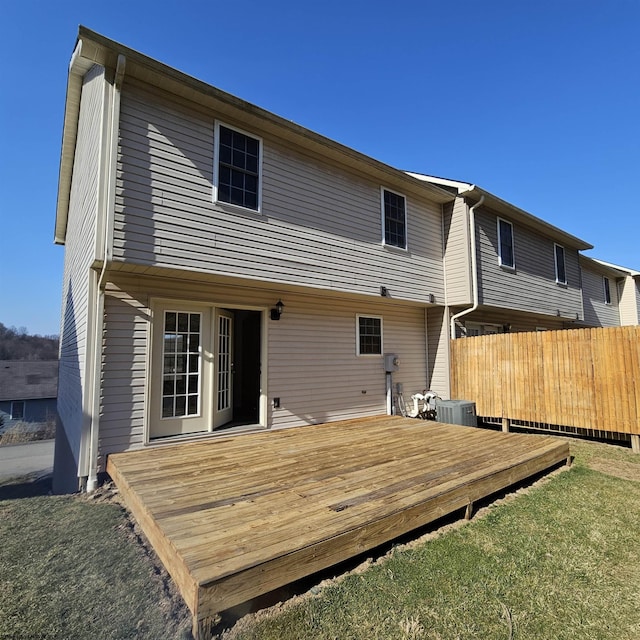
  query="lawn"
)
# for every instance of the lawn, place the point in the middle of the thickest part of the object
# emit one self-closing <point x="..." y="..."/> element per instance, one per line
<point x="559" y="560"/>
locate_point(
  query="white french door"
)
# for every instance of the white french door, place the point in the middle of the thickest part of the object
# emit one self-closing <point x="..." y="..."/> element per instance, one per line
<point x="191" y="370"/>
<point x="224" y="368"/>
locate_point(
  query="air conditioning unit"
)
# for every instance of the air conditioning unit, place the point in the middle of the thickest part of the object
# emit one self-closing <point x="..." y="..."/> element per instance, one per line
<point x="461" y="412"/>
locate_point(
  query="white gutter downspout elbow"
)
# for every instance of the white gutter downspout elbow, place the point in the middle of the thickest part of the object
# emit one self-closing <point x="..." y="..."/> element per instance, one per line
<point x="474" y="267"/>
<point x="92" y="479"/>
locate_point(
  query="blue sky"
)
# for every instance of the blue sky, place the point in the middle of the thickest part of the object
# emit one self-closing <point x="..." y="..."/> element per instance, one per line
<point x="537" y="101"/>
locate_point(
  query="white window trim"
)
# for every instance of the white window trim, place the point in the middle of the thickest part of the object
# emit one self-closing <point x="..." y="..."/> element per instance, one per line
<point x="382" y="219"/>
<point x="24" y="406"/>
<point x="606" y="280"/>
<point x="564" y="260"/>
<point x="369" y="355"/>
<point x="510" y="267"/>
<point x="216" y="168"/>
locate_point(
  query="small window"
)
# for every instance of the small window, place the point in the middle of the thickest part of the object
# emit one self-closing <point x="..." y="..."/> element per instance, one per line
<point x="607" y="290"/>
<point x="506" y="256"/>
<point x="394" y="216"/>
<point x="238" y="160"/>
<point x="17" y="410"/>
<point x="369" y="338"/>
<point x="561" y="274"/>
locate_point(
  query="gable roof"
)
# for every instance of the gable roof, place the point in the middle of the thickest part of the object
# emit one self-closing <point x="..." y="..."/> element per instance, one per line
<point x="28" y="379"/>
<point x="92" y="48"/>
<point x="466" y="189"/>
<point x="623" y="270"/>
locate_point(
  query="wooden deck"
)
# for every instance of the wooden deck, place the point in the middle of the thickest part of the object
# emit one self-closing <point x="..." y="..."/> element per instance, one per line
<point x="235" y="517"/>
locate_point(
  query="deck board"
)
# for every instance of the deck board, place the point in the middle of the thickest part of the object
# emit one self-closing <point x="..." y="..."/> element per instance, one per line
<point x="234" y="517"/>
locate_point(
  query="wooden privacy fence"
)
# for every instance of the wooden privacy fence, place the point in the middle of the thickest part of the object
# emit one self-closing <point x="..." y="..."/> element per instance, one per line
<point x="580" y="378"/>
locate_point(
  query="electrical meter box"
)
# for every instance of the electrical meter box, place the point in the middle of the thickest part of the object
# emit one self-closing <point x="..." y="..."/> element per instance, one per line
<point x="456" y="412"/>
<point x="391" y="362"/>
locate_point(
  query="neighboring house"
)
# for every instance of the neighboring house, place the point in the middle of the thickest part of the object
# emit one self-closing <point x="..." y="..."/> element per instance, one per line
<point x="187" y="215"/>
<point x="505" y="269"/>
<point x="628" y="292"/>
<point x="28" y="390"/>
<point x="600" y="293"/>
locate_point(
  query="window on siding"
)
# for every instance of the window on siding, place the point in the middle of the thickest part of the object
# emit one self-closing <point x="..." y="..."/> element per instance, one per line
<point x="369" y="338"/>
<point x="561" y="274"/>
<point x="506" y="256"/>
<point x="17" y="410"/>
<point x="238" y="168"/>
<point x="607" y="290"/>
<point x="394" y="213"/>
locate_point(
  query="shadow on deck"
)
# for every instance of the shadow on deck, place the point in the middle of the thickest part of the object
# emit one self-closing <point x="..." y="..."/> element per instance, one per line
<point x="233" y="518"/>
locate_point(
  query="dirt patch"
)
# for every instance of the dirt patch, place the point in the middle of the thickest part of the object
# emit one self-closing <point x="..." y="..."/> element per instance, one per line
<point x="616" y="468"/>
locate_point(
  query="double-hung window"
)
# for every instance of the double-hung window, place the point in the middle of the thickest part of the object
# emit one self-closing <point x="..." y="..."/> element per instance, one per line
<point x="369" y="335"/>
<point x="561" y="272"/>
<point x="506" y="256"/>
<point x="394" y="219"/>
<point x="607" y="290"/>
<point x="238" y="160"/>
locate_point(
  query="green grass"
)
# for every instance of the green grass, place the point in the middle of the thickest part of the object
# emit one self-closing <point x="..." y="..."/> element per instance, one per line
<point x="69" y="570"/>
<point x="561" y="561"/>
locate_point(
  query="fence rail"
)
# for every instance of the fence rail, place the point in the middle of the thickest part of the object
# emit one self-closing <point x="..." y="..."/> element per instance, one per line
<point x="580" y="378"/>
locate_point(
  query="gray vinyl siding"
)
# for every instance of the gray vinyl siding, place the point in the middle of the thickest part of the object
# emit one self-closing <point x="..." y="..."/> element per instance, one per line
<point x="596" y="312"/>
<point x="531" y="286"/>
<point x="457" y="261"/>
<point x="78" y="257"/>
<point x="320" y="224"/>
<point x="312" y="363"/>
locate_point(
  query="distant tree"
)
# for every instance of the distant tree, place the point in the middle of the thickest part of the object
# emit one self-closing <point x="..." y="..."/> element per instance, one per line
<point x="17" y="344"/>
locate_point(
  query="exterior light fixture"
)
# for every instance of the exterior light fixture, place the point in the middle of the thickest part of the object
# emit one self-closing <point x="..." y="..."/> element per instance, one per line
<point x="384" y="292"/>
<point x="276" y="312"/>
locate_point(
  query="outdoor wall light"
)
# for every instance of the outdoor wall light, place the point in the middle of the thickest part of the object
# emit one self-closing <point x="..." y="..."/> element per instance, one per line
<point x="276" y="312"/>
<point x="384" y="292"/>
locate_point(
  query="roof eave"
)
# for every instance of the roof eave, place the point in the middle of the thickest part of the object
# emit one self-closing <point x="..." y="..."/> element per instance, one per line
<point x="494" y="202"/>
<point x="93" y="48"/>
<point x="81" y="61"/>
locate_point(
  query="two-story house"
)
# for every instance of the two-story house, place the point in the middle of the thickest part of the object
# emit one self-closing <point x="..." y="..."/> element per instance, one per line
<point x="505" y="269"/>
<point x="227" y="269"/>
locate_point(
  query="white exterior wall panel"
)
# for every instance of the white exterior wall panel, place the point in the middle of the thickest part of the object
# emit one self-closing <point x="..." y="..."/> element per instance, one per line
<point x="79" y="255"/>
<point x="532" y="285"/>
<point x="320" y="226"/>
<point x="629" y="302"/>
<point x="312" y="363"/>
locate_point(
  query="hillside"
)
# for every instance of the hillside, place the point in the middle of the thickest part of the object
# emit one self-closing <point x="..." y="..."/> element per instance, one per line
<point x="17" y="344"/>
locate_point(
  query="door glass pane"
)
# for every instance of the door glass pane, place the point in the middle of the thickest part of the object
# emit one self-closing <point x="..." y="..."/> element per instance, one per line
<point x="181" y="351"/>
<point x="224" y="363"/>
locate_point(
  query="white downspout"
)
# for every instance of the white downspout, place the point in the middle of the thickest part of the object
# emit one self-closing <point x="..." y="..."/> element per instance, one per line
<point x="92" y="480"/>
<point x="474" y="268"/>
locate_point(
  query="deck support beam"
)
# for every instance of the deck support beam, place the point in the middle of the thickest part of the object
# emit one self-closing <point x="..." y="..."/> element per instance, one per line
<point x="635" y="443"/>
<point x="506" y="425"/>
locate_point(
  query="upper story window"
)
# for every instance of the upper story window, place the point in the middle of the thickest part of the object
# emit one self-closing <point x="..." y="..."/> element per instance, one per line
<point x="238" y="162"/>
<point x="369" y="338"/>
<point x="561" y="272"/>
<point x="607" y="290"/>
<point x="394" y="219"/>
<point x="506" y="257"/>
